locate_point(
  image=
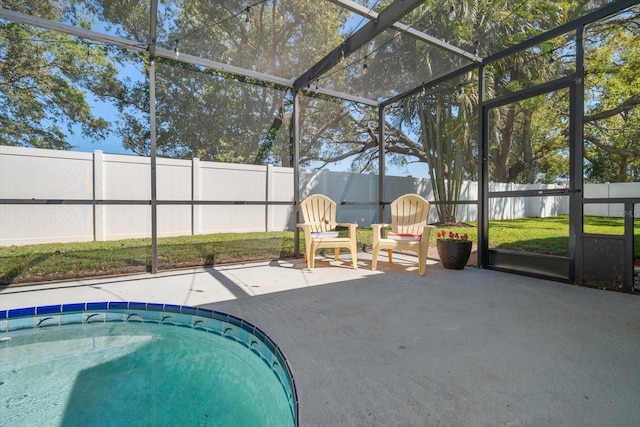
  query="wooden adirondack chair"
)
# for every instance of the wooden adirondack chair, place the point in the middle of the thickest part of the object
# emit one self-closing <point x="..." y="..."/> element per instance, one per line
<point x="409" y="230"/>
<point x="319" y="215"/>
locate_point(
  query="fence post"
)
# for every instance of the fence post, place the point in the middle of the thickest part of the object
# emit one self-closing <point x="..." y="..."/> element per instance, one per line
<point x="195" y="195"/>
<point x="268" y="196"/>
<point x="98" y="194"/>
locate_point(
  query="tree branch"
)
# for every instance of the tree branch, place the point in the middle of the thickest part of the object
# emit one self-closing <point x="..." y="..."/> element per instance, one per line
<point x="609" y="149"/>
<point x="627" y="105"/>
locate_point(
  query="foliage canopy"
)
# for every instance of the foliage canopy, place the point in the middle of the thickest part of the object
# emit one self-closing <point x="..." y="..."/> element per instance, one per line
<point x="53" y="82"/>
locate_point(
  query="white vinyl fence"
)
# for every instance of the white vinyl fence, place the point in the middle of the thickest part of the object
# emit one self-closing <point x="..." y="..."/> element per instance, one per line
<point x="61" y="175"/>
<point x="56" y="176"/>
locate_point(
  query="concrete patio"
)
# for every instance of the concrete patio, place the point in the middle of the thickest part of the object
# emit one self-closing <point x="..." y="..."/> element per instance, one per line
<point x="391" y="348"/>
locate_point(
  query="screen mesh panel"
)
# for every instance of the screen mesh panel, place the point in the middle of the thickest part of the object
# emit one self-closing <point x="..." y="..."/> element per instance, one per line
<point x="213" y="117"/>
<point x="280" y="38"/>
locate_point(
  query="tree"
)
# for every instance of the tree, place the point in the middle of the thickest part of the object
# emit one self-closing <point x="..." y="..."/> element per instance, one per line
<point x="612" y="97"/>
<point x="47" y="79"/>
<point x="215" y="114"/>
<point x="530" y="138"/>
<point x="442" y="121"/>
<point x="211" y="114"/>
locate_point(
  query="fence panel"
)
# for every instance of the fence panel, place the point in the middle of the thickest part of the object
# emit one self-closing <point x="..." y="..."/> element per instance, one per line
<point x="45" y="174"/>
<point x="27" y="173"/>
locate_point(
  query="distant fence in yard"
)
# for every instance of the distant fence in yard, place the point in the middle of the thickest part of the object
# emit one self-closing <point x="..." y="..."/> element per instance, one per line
<point x="227" y="197"/>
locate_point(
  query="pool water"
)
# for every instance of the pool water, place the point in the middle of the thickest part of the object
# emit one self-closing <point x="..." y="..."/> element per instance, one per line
<point x="134" y="373"/>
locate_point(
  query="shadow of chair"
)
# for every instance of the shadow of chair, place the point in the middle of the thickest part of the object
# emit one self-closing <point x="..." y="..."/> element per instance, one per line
<point x="319" y="215"/>
<point x="409" y="230"/>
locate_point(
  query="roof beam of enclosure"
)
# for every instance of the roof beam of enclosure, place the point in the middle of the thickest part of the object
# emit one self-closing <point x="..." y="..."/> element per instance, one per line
<point x="430" y="83"/>
<point x="386" y="19"/>
<point x="340" y="95"/>
<point x="368" y="13"/>
<point x="267" y="78"/>
<point x="74" y="31"/>
<point x="159" y="52"/>
<point x="139" y="46"/>
<point x="153" y="21"/>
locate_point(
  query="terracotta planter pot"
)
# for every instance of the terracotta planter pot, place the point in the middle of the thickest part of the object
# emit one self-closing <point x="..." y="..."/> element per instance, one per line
<point x="454" y="254"/>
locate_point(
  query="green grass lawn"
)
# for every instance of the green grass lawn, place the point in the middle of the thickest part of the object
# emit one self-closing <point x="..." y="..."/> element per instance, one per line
<point x="545" y="235"/>
<point x="59" y="261"/>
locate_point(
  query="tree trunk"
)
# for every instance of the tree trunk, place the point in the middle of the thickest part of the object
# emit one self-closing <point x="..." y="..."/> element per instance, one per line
<point x="504" y="143"/>
<point x="530" y="165"/>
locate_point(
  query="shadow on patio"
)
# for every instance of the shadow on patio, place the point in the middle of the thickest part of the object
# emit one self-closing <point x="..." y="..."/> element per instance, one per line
<point x="471" y="347"/>
<point x="389" y="347"/>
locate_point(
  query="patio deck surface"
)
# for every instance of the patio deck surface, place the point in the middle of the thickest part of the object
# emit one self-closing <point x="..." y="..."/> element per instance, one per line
<point x="391" y="348"/>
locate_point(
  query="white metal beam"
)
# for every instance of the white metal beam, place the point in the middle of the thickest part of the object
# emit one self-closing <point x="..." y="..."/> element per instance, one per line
<point x="162" y="53"/>
<point x="385" y="19"/>
<point x="368" y="13"/>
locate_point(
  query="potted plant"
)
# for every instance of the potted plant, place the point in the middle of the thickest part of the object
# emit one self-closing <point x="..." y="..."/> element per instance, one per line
<point x="453" y="249"/>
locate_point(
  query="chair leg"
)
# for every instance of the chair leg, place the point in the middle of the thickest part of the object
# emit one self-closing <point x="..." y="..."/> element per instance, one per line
<point x="307" y="251"/>
<point x="336" y="253"/>
<point x="389" y="254"/>
<point x="354" y="256"/>
<point x="422" y="263"/>
<point x="374" y="257"/>
<point x="311" y="257"/>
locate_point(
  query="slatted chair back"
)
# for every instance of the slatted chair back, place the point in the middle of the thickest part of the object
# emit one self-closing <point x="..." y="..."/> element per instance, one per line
<point x="409" y="214"/>
<point x="319" y="211"/>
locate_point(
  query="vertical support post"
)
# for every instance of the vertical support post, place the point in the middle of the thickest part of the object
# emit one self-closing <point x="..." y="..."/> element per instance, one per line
<point x="98" y="194"/>
<point x="152" y="134"/>
<point x="154" y="195"/>
<point x="381" y="164"/>
<point x="483" y="178"/>
<point x="576" y="167"/>
<point x="627" y="284"/>
<point x="296" y="173"/>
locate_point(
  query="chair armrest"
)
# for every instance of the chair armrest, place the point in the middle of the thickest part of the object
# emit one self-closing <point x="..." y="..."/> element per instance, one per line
<point x="305" y="226"/>
<point x="377" y="229"/>
<point x="352" y="227"/>
<point x="310" y="227"/>
<point x="426" y="231"/>
<point x="307" y="230"/>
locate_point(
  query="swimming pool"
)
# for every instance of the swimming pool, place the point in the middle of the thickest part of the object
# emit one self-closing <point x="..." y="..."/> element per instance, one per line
<point x="132" y="363"/>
